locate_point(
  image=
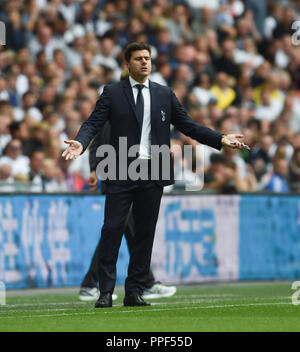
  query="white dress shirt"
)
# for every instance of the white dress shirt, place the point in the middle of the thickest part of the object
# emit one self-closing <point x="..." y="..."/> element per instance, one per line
<point x="145" y="143"/>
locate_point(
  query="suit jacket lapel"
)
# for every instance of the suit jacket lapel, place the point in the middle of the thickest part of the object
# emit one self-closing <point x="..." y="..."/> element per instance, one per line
<point x="154" y="96"/>
<point x="129" y="95"/>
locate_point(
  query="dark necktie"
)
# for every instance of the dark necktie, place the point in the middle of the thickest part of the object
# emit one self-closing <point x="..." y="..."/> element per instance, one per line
<point x="139" y="106"/>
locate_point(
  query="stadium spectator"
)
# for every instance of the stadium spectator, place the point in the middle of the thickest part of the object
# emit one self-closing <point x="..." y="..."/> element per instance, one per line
<point x="294" y="172"/>
<point x="5" y="135"/>
<point x="28" y="108"/>
<point x="225" y="62"/>
<point x="36" y="176"/>
<point x="44" y="41"/>
<point x="261" y="155"/>
<point x="202" y="89"/>
<point x="52" y="177"/>
<point x="218" y="177"/>
<point x="276" y="181"/>
<point x="222" y="91"/>
<point x="13" y="156"/>
<point x="207" y="21"/>
<point x="4" y="95"/>
<point x="6" y="179"/>
<point x="20" y="130"/>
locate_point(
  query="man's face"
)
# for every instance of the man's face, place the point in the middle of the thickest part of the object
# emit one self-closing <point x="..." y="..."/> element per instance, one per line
<point x="37" y="161"/>
<point x="139" y="65"/>
<point x="14" y="149"/>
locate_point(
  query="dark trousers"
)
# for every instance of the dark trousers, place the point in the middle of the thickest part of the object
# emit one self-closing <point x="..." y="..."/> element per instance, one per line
<point x="92" y="277"/>
<point x="144" y="197"/>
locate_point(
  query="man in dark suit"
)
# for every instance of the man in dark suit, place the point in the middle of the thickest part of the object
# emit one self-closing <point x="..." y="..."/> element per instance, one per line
<point x="88" y="289"/>
<point x="140" y="112"/>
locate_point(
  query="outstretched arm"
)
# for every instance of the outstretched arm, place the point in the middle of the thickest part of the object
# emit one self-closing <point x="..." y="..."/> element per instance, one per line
<point x="89" y="128"/>
<point x="200" y="133"/>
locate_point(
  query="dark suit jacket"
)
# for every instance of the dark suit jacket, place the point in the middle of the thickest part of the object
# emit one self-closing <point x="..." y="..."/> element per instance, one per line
<point x="102" y="137"/>
<point x="116" y="105"/>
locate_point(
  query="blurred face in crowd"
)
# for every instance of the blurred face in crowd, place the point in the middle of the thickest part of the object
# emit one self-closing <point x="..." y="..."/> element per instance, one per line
<point x="23" y="132"/>
<point x="217" y="166"/>
<point x="14" y="149"/>
<point x="165" y="70"/>
<point x="49" y="169"/>
<point x="79" y="44"/>
<point x="139" y="65"/>
<point x="4" y="125"/>
<point x="135" y="26"/>
<point x="59" y="58"/>
<point x="228" y="48"/>
<point x="163" y="36"/>
<point x="44" y="35"/>
<point x="87" y="11"/>
<point x="222" y="80"/>
<point x="281" y="167"/>
<point x="206" y="14"/>
<point x="183" y="73"/>
<point x="28" y="100"/>
<point x="266" y="142"/>
<point x="2" y="84"/>
<point x="107" y="46"/>
<point x="37" y="161"/>
<point x="200" y="61"/>
<point x="205" y="81"/>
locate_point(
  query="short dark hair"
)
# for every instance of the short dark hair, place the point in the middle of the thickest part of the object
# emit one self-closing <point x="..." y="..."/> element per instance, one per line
<point x="130" y="48"/>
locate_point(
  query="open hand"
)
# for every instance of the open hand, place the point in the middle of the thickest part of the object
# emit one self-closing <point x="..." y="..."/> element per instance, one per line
<point x="234" y="141"/>
<point x="73" y="151"/>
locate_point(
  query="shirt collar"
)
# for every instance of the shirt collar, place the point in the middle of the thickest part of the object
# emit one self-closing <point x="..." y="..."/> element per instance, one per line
<point x="133" y="82"/>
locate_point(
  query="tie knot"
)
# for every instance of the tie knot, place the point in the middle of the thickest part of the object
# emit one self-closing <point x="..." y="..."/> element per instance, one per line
<point x="139" y="86"/>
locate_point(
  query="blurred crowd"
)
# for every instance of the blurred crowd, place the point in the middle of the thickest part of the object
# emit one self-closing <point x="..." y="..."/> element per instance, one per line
<point x="234" y="65"/>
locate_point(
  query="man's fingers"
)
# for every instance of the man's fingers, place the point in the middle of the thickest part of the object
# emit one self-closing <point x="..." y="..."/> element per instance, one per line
<point x="239" y="145"/>
<point x="68" y="156"/>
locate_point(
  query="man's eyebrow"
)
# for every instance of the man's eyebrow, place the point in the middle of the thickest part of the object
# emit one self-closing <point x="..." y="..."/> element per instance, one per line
<point x="140" y="57"/>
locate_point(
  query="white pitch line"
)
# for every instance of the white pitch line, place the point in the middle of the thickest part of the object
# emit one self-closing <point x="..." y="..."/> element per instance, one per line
<point x="43" y="303"/>
<point x="183" y="299"/>
<point x="140" y="310"/>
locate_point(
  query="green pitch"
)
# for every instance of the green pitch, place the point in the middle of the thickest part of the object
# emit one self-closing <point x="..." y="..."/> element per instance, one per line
<point x="215" y="307"/>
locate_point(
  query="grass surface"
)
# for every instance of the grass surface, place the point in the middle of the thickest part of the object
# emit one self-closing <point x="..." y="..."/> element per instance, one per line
<point x="214" y="307"/>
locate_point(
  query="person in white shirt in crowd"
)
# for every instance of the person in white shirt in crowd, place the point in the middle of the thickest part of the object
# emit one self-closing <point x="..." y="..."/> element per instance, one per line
<point x="28" y="108"/>
<point x="36" y="176"/>
<point x="69" y="10"/>
<point x="5" y="135"/>
<point x="6" y="180"/>
<point x="202" y="90"/>
<point x="4" y="95"/>
<point x="107" y="56"/>
<point x="52" y="177"/>
<point x="13" y="156"/>
<point x="45" y="41"/>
